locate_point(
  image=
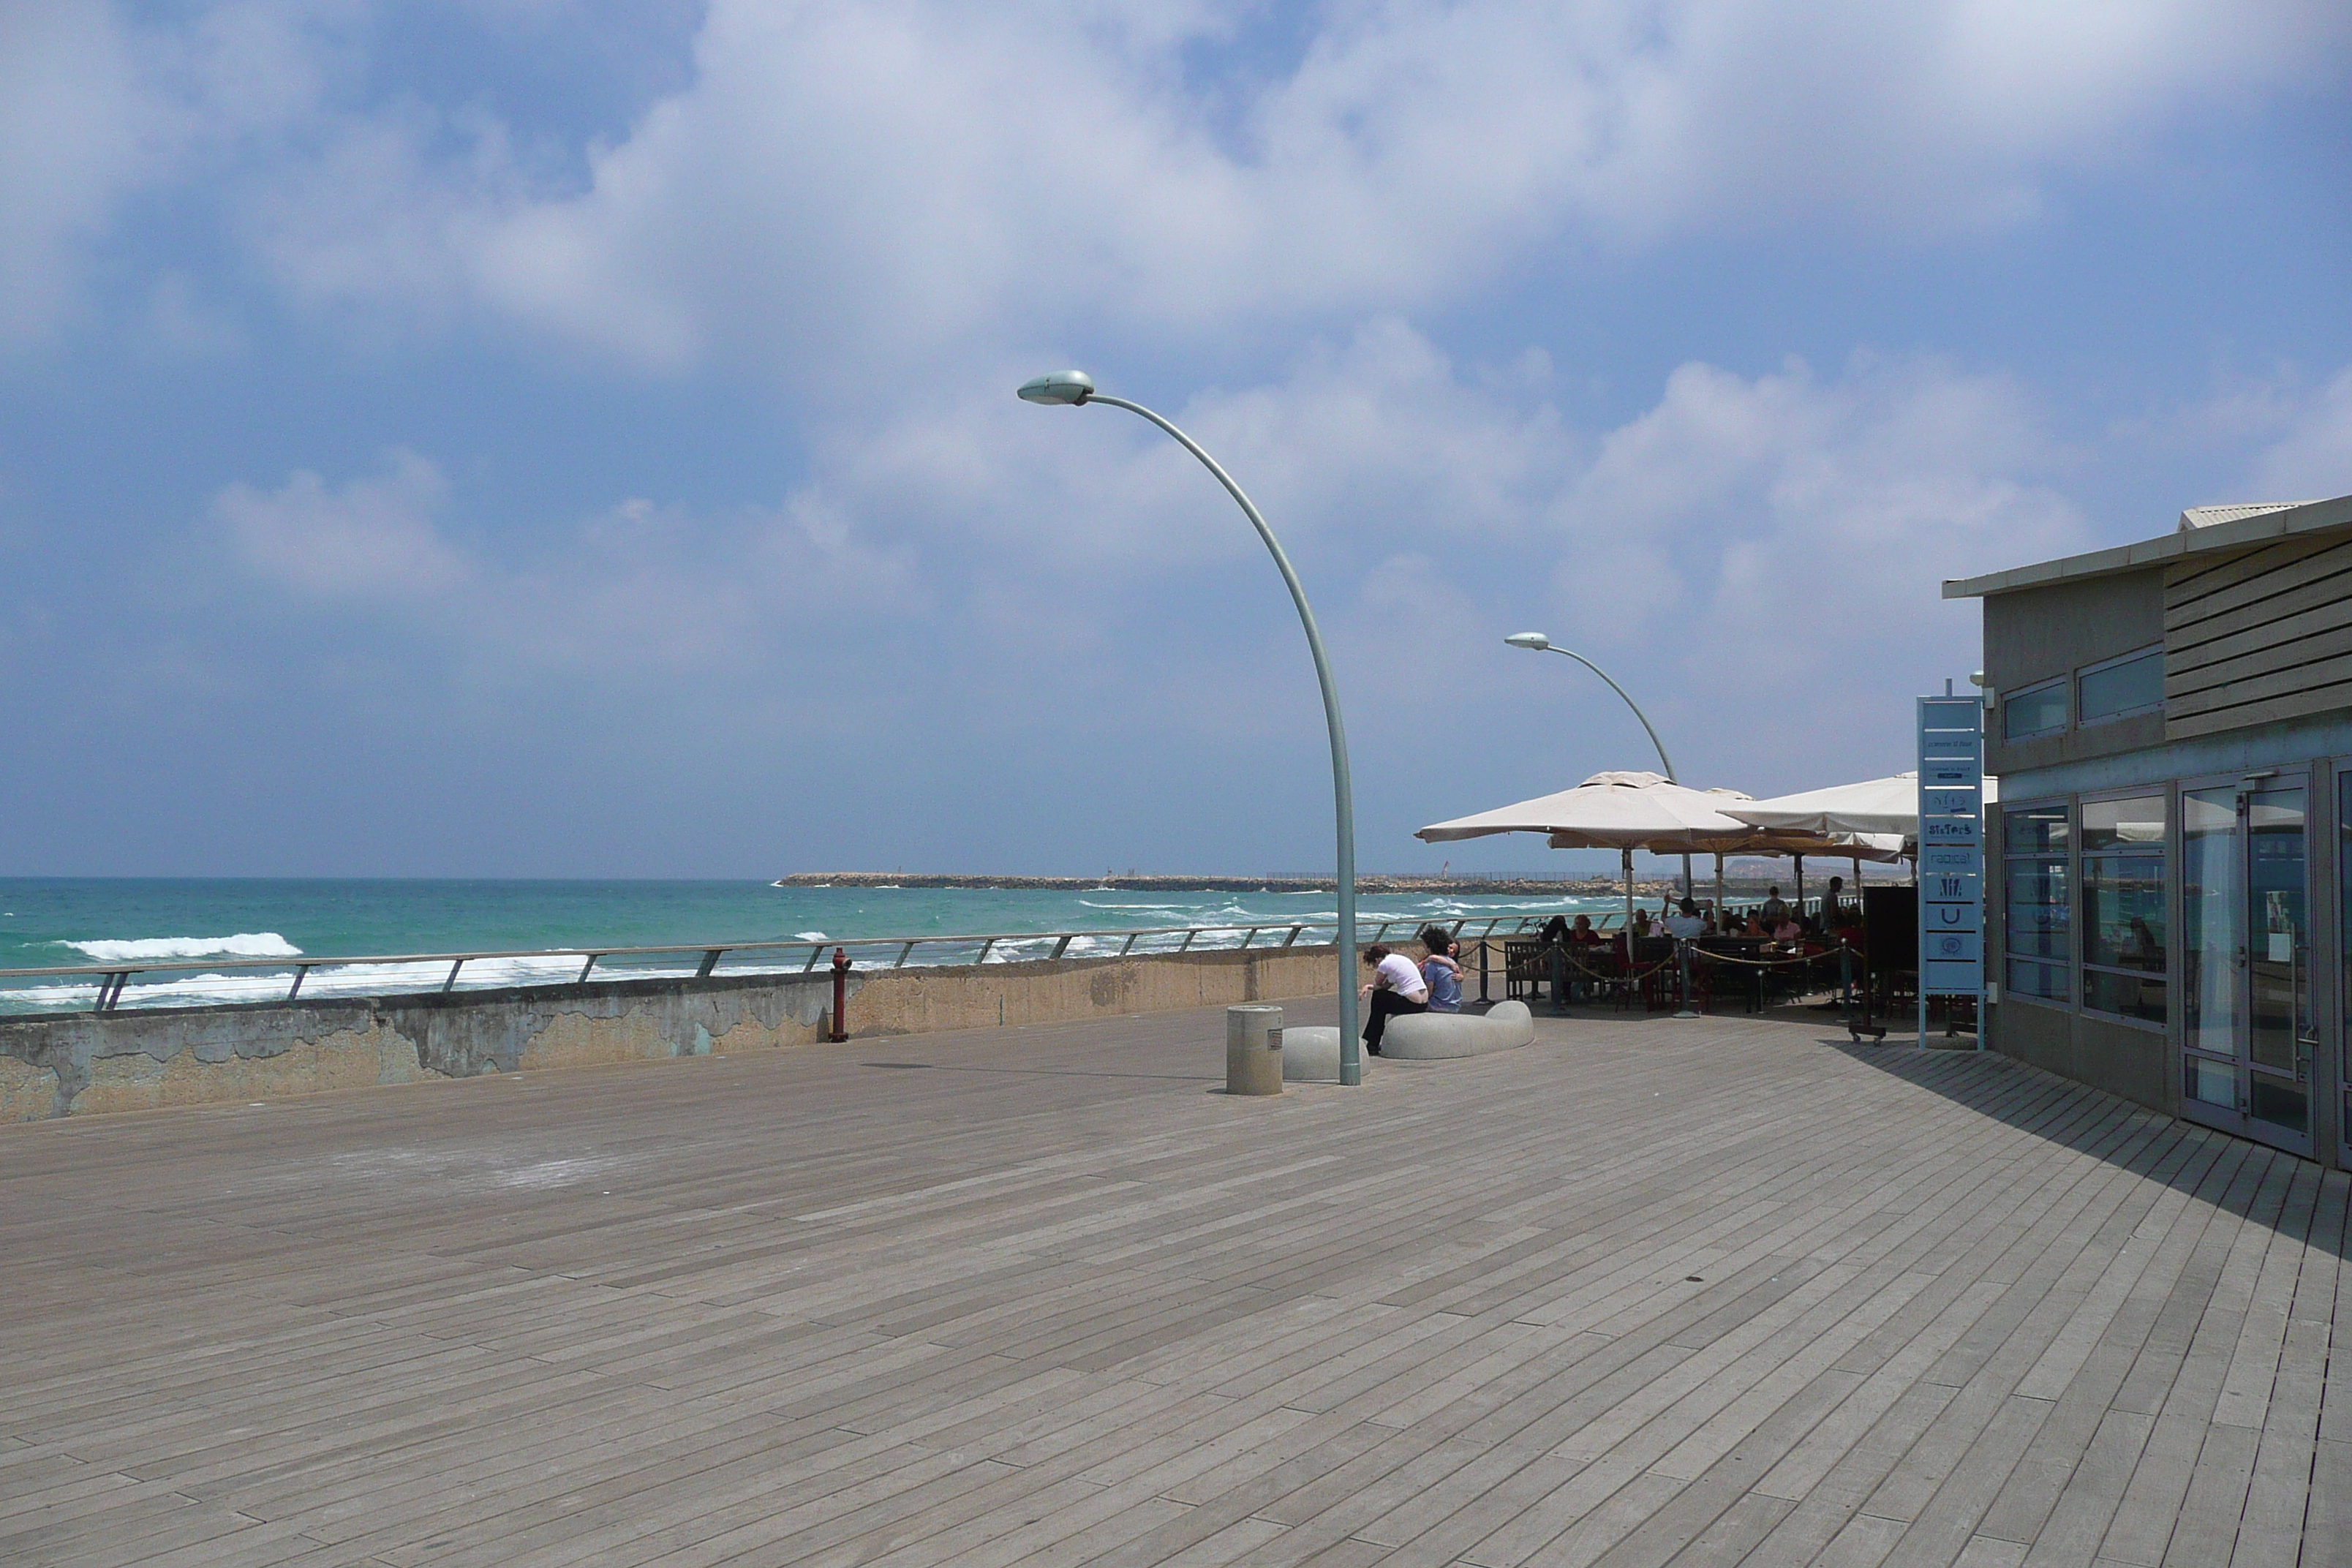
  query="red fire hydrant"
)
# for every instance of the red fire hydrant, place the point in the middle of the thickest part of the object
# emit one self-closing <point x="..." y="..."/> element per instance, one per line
<point x="840" y="995"/>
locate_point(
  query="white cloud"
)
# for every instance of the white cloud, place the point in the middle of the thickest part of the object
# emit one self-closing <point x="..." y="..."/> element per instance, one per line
<point x="896" y="178"/>
<point x="1769" y="547"/>
<point x="72" y="125"/>
<point x="99" y="108"/>
<point x="369" y="537"/>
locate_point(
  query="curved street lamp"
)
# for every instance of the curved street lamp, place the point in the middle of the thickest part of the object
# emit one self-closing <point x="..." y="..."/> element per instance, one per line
<point x="1536" y="642"/>
<point x="1075" y="388"/>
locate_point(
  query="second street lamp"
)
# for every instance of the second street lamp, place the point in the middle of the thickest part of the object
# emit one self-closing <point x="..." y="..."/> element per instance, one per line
<point x="1075" y="388"/>
<point x="1536" y="642"/>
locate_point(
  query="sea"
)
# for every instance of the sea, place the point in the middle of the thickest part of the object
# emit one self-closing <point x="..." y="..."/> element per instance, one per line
<point x="547" y="927"/>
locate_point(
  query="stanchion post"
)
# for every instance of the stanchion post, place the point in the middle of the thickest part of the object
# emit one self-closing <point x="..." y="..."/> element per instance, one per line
<point x="1682" y="948"/>
<point x="840" y="996"/>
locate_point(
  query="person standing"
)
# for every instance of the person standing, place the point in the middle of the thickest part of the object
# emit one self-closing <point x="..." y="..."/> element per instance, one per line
<point x="1397" y="988"/>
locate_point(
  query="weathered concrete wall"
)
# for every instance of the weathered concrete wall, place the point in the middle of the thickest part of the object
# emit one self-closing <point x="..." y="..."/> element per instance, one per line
<point x="86" y="1063"/>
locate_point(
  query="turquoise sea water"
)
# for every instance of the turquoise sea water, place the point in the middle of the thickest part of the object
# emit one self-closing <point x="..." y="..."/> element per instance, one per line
<point x="56" y="922"/>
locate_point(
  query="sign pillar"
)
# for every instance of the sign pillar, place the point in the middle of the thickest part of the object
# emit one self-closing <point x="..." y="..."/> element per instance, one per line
<point x="1951" y="853"/>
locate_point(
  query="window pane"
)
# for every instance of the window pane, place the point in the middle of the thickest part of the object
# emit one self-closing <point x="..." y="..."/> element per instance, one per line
<point x="2034" y="830"/>
<point x="2212" y="921"/>
<point x="2215" y="1083"/>
<point x="2035" y="712"/>
<point x="2132" y="687"/>
<point x="2030" y="979"/>
<point x="2132" y="995"/>
<point x="2123" y="911"/>
<point x="2136" y="824"/>
<point x="2037" y="924"/>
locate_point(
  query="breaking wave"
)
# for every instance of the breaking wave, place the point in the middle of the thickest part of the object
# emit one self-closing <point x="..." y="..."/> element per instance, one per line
<point x="250" y="944"/>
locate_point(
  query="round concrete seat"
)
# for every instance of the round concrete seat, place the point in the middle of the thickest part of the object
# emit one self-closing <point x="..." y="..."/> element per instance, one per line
<point x="1311" y="1054"/>
<point x="1433" y="1037"/>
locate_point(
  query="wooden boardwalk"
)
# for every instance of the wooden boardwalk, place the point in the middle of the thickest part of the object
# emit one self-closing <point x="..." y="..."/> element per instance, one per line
<point x="1646" y="1292"/>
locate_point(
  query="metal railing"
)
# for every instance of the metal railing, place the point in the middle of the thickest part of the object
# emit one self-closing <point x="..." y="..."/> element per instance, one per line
<point x="101" y="985"/>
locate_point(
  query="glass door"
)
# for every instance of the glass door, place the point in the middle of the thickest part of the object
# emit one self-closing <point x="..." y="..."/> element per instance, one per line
<point x="2247" y="1037"/>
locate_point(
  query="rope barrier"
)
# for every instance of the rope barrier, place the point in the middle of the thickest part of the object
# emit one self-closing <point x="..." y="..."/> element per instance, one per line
<point x="1763" y="962"/>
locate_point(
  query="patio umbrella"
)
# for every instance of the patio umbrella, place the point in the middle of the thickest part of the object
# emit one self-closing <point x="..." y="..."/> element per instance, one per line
<point x="1625" y="812"/>
<point x="1887" y="805"/>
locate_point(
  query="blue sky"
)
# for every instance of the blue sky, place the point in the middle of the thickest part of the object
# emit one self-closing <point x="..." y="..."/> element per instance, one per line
<point x="529" y="438"/>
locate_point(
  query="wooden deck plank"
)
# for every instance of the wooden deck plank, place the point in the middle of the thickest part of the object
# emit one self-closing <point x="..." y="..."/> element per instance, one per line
<point x="1749" y="1293"/>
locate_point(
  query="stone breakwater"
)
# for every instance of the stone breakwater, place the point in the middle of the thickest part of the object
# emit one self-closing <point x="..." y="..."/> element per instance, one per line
<point x="1537" y="887"/>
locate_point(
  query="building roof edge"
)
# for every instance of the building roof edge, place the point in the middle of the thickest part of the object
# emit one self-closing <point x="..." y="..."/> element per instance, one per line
<point x="2309" y="517"/>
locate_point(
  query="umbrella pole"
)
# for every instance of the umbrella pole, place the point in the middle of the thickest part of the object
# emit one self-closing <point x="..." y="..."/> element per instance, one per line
<point x="1718" y="889"/>
<point x="1800" y="887"/>
<point x="1629" y="907"/>
<point x="1687" y="874"/>
<point x="1858" y="1026"/>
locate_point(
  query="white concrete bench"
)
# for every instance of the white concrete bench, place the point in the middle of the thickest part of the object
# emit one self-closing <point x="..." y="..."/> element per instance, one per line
<point x="1311" y="1055"/>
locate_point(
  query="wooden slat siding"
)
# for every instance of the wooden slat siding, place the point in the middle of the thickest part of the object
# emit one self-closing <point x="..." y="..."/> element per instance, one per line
<point x="2258" y="637"/>
<point x="1053" y="1303"/>
<point x="2274" y="671"/>
<point x="2296" y="611"/>
<point x="2209" y="585"/>
<point x="2204" y="672"/>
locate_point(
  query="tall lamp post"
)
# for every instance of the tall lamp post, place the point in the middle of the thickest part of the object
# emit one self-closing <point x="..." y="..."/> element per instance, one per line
<point x="1075" y="388"/>
<point x="1536" y="642"/>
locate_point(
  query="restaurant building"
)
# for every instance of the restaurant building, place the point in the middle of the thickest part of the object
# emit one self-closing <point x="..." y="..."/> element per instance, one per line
<point x="2168" y="875"/>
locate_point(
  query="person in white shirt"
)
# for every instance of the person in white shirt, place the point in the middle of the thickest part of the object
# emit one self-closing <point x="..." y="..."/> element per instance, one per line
<point x="1397" y="987"/>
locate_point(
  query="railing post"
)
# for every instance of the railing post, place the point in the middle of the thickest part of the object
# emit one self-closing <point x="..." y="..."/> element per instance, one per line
<point x="709" y="962"/>
<point x="301" y="973"/>
<point x="1062" y="946"/>
<point x="1293" y="936"/>
<point x="586" y="967"/>
<point x="903" y="953"/>
<point x="450" y="984"/>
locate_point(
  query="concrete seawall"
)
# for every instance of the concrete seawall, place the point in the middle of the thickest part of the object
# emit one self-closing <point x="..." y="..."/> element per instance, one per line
<point x="83" y="1064"/>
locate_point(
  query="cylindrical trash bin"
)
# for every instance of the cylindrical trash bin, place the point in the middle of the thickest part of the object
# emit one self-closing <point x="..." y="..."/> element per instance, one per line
<point x="1253" y="1050"/>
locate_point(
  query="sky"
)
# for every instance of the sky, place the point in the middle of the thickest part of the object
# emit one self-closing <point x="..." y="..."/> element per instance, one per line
<point x="529" y="437"/>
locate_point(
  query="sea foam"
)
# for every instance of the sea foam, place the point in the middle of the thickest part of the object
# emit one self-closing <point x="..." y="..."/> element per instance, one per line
<point x="247" y="944"/>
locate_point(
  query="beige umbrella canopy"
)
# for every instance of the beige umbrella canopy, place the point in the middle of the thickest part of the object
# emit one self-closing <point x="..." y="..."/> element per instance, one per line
<point x="1611" y="811"/>
<point x="1629" y="811"/>
<point x="1887" y="805"/>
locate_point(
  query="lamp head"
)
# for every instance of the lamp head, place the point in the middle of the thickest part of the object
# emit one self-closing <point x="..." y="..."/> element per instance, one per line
<point x="1535" y="640"/>
<point x="1071" y="386"/>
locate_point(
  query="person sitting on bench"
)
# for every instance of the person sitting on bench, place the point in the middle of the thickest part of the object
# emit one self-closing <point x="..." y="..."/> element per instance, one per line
<point x="1397" y="987"/>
